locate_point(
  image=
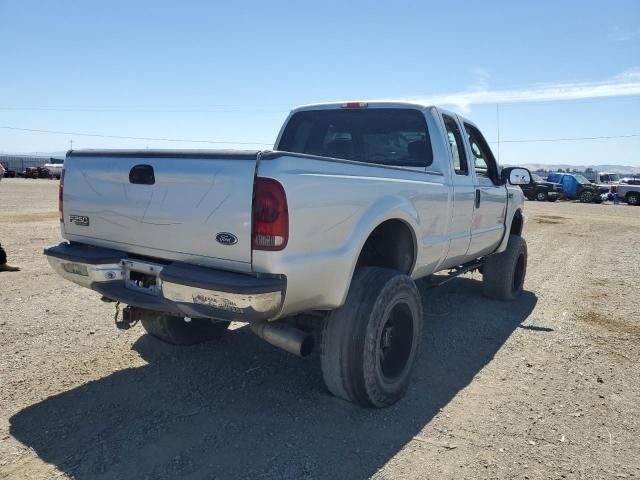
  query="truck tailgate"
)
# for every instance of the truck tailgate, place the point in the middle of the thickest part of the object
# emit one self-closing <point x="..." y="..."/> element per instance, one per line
<point x="172" y="205"/>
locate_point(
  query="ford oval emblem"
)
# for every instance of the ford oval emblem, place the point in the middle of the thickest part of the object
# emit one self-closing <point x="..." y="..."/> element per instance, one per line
<point x="226" y="238"/>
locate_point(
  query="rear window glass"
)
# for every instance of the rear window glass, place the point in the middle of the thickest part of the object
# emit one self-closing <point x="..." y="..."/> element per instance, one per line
<point x="376" y="135"/>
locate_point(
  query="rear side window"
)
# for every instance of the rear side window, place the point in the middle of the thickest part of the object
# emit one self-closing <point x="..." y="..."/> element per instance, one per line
<point x="378" y="135"/>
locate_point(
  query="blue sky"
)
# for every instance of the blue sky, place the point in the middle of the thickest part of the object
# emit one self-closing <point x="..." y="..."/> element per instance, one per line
<point x="230" y="71"/>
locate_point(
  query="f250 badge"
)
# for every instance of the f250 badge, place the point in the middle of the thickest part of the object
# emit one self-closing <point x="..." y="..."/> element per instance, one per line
<point x="226" y="238"/>
<point x="79" y="220"/>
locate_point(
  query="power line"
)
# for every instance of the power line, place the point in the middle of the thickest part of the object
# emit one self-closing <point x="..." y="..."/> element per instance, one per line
<point x="219" y="109"/>
<point x="82" y="134"/>
<point x="184" y="140"/>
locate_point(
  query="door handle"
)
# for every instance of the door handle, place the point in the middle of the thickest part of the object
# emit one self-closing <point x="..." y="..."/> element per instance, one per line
<point x="477" y="197"/>
<point x="142" y="175"/>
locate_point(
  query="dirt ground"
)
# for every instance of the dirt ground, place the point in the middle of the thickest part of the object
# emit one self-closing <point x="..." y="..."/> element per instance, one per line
<point x="546" y="387"/>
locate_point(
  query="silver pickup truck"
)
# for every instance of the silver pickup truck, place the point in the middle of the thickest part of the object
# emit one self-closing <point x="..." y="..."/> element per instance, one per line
<point x="629" y="192"/>
<point x="316" y="244"/>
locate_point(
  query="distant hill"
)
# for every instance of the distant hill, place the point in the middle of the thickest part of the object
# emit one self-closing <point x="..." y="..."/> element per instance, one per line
<point x="582" y="168"/>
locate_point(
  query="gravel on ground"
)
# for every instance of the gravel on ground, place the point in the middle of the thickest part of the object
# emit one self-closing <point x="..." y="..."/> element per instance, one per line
<point x="545" y="387"/>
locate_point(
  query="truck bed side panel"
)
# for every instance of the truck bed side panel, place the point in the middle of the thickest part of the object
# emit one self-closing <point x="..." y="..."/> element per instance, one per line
<point x="333" y="207"/>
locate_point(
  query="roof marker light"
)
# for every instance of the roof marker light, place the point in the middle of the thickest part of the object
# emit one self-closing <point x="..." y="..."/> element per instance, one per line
<point x="355" y="105"/>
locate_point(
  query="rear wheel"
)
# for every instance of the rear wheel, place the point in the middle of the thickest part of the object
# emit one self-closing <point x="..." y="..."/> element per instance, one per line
<point x="504" y="273"/>
<point x="369" y="345"/>
<point x="178" y="331"/>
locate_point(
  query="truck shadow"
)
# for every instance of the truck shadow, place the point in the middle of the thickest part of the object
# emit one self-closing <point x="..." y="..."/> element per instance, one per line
<point x="239" y="408"/>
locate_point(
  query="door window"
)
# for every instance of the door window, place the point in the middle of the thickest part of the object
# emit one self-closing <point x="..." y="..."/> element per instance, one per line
<point x="484" y="162"/>
<point x="456" y="145"/>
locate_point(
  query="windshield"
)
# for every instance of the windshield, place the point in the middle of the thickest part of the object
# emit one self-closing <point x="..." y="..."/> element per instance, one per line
<point x="610" y="177"/>
<point x="387" y="136"/>
<point x="581" y="180"/>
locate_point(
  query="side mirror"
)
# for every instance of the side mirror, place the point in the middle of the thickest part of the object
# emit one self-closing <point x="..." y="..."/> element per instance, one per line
<point x="516" y="176"/>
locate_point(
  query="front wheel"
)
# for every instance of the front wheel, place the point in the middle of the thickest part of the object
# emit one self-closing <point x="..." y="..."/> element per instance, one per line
<point x="541" y="196"/>
<point x="179" y="331"/>
<point x="369" y="345"/>
<point x="586" y="197"/>
<point x="633" y="198"/>
<point x="503" y="273"/>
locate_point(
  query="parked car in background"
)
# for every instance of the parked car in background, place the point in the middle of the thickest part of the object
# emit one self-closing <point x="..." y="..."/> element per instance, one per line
<point x="629" y="193"/>
<point x="602" y="178"/>
<point x="577" y="187"/>
<point x="55" y="166"/>
<point x="30" y="172"/>
<point x="542" y="190"/>
<point x="37" y="172"/>
<point x="6" y="171"/>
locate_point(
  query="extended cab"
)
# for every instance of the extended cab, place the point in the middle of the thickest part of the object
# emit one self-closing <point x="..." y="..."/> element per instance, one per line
<point x="316" y="244"/>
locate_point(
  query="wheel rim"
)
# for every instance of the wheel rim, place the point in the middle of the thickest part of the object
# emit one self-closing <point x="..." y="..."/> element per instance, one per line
<point x="518" y="274"/>
<point x="540" y="196"/>
<point x="633" y="200"/>
<point x="395" y="342"/>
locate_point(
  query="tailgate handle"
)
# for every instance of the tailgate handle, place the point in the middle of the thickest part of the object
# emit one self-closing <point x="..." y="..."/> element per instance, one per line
<point x="142" y="175"/>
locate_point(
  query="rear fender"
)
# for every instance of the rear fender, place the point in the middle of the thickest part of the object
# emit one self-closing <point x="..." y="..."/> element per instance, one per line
<point x="388" y="208"/>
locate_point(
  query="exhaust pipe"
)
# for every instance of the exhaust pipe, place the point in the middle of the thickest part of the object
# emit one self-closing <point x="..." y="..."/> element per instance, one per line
<point x="285" y="337"/>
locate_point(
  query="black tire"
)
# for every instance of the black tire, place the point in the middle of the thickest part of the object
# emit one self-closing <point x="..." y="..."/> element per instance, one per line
<point x="177" y="331"/>
<point x="586" y="196"/>
<point x="504" y="273"/>
<point x="369" y="345"/>
<point x="541" y="196"/>
<point x="633" y="198"/>
<point x="552" y="198"/>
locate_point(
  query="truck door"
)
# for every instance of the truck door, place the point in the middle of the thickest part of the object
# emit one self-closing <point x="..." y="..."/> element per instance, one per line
<point x="490" y="202"/>
<point x="463" y="194"/>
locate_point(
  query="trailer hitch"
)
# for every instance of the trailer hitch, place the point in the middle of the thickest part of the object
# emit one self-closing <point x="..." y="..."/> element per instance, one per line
<point x="128" y="317"/>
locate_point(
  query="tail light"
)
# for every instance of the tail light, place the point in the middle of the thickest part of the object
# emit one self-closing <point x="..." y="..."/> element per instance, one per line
<point x="61" y="196"/>
<point x="270" y="229"/>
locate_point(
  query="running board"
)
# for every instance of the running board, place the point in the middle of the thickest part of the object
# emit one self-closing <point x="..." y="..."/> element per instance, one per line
<point x="431" y="282"/>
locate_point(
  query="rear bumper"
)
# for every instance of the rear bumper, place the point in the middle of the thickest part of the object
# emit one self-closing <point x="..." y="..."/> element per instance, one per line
<point x="181" y="289"/>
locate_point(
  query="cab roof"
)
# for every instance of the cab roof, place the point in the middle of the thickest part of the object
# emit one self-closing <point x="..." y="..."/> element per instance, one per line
<point x="364" y="104"/>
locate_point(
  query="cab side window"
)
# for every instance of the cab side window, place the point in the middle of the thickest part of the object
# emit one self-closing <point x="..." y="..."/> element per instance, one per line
<point x="484" y="163"/>
<point x="456" y="145"/>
